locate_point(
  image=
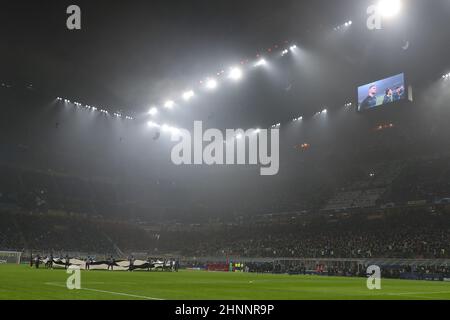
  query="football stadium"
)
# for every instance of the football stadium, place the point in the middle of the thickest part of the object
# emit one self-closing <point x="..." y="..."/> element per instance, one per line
<point x="223" y="150"/>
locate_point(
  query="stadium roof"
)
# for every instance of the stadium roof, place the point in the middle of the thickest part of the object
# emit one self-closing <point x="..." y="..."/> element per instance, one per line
<point x="136" y="57"/>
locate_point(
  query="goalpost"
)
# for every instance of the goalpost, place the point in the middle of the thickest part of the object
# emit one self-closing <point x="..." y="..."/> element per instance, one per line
<point x="10" y="257"/>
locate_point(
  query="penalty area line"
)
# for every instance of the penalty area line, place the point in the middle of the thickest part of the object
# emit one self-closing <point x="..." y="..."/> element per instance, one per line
<point x="108" y="292"/>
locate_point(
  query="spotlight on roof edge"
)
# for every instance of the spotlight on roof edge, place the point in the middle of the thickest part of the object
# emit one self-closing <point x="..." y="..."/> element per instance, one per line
<point x="152" y="124"/>
<point x="153" y="111"/>
<point x="174" y="130"/>
<point x="169" y="104"/>
<point x="346" y="24"/>
<point x="261" y="63"/>
<point x="389" y="8"/>
<point x="235" y="73"/>
<point x="167" y="128"/>
<point x="211" y="83"/>
<point x="188" y="95"/>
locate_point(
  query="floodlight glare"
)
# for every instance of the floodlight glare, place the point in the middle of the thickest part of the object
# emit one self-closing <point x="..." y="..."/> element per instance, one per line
<point x="152" y="124"/>
<point x="169" y="104"/>
<point x="261" y="63"/>
<point x="153" y="111"/>
<point x="389" y="8"/>
<point x="188" y="95"/>
<point x="211" y="84"/>
<point x="235" y="73"/>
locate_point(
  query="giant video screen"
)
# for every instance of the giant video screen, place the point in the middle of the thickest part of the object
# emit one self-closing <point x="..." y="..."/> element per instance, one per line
<point x="382" y="92"/>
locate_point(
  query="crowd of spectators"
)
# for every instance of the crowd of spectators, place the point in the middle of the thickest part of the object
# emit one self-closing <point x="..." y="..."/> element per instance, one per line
<point x="408" y="234"/>
<point x="59" y="232"/>
<point x="403" y="234"/>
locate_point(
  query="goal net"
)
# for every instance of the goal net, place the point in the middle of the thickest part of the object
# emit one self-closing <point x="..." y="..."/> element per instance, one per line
<point x="10" y="257"/>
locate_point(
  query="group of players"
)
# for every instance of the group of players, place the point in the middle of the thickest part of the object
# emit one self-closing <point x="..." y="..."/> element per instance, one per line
<point x="150" y="263"/>
<point x="391" y="95"/>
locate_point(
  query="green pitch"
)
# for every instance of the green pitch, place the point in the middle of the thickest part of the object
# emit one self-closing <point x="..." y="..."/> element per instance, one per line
<point x="22" y="282"/>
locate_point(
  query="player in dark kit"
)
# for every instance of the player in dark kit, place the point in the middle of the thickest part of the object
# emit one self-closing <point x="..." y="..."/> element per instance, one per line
<point x="49" y="264"/>
<point x="67" y="262"/>
<point x="111" y="263"/>
<point x="149" y="263"/>
<point x="371" y="100"/>
<point x="399" y="93"/>
<point x="37" y="261"/>
<point x="131" y="265"/>
<point x="388" y="97"/>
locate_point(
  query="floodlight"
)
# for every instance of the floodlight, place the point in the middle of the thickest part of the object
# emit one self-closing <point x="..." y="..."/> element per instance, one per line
<point x="153" y="111"/>
<point x="261" y="63"/>
<point x="169" y="104"/>
<point x="389" y="8"/>
<point x="211" y="83"/>
<point x="188" y="95"/>
<point x="235" y="73"/>
<point x="152" y="124"/>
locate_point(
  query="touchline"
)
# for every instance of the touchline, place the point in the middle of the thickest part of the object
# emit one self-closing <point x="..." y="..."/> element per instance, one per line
<point x="235" y="147"/>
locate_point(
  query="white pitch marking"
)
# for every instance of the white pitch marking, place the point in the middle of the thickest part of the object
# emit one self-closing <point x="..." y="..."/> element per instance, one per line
<point x="109" y="292"/>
